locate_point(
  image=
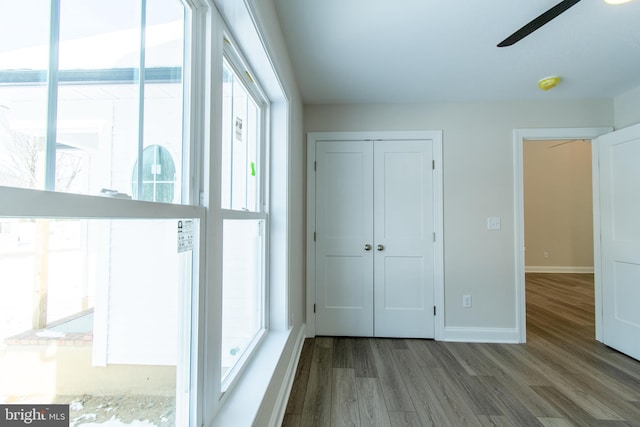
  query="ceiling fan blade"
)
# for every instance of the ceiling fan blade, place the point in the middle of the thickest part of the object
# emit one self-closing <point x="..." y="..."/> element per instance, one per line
<point x="538" y="22"/>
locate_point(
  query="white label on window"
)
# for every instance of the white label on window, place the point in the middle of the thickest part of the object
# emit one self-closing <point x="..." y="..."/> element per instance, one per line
<point x="185" y="235"/>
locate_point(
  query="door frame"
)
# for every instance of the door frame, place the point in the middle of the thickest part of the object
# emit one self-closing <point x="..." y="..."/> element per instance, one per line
<point x="438" y="281"/>
<point x="519" y="137"/>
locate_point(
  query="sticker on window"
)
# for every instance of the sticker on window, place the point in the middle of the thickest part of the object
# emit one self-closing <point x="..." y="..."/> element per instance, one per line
<point x="185" y="235"/>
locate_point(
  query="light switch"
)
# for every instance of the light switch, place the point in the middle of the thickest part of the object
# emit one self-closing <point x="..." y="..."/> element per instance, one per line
<point x="466" y="301"/>
<point x="493" y="223"/>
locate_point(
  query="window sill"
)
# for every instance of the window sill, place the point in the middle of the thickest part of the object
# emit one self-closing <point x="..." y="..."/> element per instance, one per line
<point x="242" y="402"/>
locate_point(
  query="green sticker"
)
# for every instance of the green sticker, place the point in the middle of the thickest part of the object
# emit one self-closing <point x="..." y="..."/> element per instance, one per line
<point x="253" y="169"/>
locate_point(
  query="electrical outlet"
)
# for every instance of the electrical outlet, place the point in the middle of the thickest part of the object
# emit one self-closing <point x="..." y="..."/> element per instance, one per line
<point x="493" y="223"/>
<point x="545" y="254"/>
<point x="466" y="301"/>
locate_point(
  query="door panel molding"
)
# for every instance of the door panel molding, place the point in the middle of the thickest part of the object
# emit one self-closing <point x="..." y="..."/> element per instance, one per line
<point x="435" y="136"/>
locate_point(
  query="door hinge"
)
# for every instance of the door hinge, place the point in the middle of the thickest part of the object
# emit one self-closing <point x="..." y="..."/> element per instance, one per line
<point x="433" y="164"/>
<point x="434" y="236"/>
<point x="314" y="236"/>
<point x="314" y="308"/>
<point x="434" y="310"/>
<point x="315" y="166"/>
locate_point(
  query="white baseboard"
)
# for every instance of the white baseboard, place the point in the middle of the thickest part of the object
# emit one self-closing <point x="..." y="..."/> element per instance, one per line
<point x="280" y="408"/>
<point x="483" y="335"/>
<point x="556" y="269"/>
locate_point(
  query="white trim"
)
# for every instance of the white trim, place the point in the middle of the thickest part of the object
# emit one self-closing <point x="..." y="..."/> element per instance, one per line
<point x="196" y="104"/>
<point x="519" y="136"/>
<point x="433" y="135"/>
<point x="52" y="97"/>
<point x="48" y="204"/>
<point x="597" y="255"/>
<point x="280" y="407"/>
<point x="211" y="392"/>
<point x="483" y="335"/>
<point x="309" y="238"/>
<point x="241" y="407"/>
<point x="438" y="220"/>
<point x="556" y="269"/>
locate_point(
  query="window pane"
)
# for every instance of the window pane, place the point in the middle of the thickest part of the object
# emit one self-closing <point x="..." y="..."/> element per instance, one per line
<point x="24" y="59"/>
<point x="97" y="125"/>
<point x="240" y="145"/>
<point x="242" y="292"/>
<point x="106" y="107"/>
<point x="89" y="318"/>
<point x="163" y="94"/>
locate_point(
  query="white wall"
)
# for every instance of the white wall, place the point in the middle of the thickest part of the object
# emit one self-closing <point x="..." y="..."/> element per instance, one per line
<point x="558" y="206"/>
<point x="478" y="183"/>
<point x="627" y="108"/>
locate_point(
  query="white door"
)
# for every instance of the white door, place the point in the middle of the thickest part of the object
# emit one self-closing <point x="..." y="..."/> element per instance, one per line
<point x="619" y="156"/>
<point x="374" y="238"/>
<point x="403" y="233"/>
<point x="344" y="226"/>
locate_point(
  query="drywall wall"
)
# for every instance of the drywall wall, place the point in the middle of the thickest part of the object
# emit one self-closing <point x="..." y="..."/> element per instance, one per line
<point x="478" y="183"/>
<point x="627" y="108"/>
<point x="558" y="206"/>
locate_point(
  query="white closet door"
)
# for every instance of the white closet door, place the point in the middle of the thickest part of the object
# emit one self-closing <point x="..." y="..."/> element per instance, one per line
<point x="620" y="239"/>
<point x="404" y="247"/>
<point x="344" y="225"/>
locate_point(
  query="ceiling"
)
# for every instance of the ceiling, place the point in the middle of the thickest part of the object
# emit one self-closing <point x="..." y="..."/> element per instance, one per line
<point x="405" y="51"/>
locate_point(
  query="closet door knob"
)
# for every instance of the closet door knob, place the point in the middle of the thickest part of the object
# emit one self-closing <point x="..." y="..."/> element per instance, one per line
<point x="380" y="247"/>
<point x="367" y="247"/>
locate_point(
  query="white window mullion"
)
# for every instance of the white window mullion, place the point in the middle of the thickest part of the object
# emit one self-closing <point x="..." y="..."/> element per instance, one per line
<point x="141" y="80"/>
<point x="246" y="151"/>
<point x="52" y="98"/>
<point x="191" y="125"/>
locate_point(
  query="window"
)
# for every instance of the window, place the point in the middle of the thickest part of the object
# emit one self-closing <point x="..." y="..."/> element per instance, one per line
<point x="244" y="217"/>
<point x="79" y="108"/>
<point x="98" y="305"/>
<point x="99" y="95"/>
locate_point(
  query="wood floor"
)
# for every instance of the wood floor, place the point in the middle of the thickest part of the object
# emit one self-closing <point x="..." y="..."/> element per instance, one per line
<point x="561" y="377"/>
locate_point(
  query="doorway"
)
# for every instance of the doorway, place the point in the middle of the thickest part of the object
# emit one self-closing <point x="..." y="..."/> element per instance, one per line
<point x="558" y="226"/>
<point x="521" y="136"/>
<point x="558" y="206"/>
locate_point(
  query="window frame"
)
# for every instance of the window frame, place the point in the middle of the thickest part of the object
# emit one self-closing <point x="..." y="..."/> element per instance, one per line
<point x="238" y="404"/>
<point x="238" y="65"/>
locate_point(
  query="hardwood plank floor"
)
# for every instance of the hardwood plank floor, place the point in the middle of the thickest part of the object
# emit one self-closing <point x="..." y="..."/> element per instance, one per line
<point x="560" y="377"/>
